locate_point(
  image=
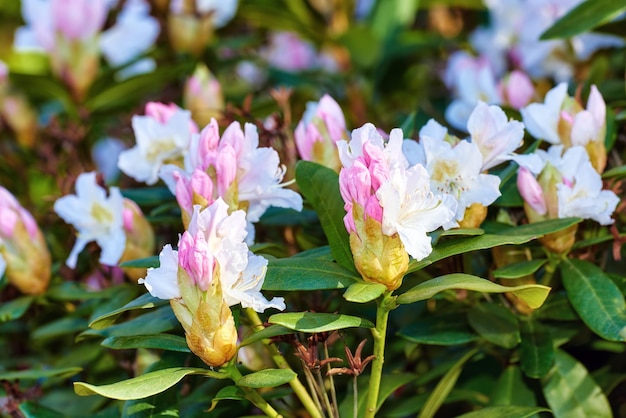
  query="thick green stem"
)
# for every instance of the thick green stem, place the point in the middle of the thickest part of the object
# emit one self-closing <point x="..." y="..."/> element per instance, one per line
<point x="553" y="263"/>
<point x="252" y="395"/>
<point x="297" y="386"/>
<point x="384" y="305"/>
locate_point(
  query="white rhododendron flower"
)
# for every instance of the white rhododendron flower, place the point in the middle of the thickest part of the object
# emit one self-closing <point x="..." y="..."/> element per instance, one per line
<point x="163" y="136"/>
<point x="97" y="217"/>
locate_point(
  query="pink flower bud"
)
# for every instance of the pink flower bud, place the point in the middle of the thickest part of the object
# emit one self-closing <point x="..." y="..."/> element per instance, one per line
<point x="162" y="113"/>
<point x="79" y="19"/>
<point x="226" y="169"/>
<point x="194" y="256"/>
<point x="355" y="184"/>
<point x="203" y="96"/>
<point x="202" y="188"/>
<point x="531" y="191"/>
<point x="517" y="89"/>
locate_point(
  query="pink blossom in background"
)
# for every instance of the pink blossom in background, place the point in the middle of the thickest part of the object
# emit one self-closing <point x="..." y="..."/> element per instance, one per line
<point x="288" y="52"/>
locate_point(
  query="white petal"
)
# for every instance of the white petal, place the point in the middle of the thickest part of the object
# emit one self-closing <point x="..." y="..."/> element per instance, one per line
<point x="162" y="282"/>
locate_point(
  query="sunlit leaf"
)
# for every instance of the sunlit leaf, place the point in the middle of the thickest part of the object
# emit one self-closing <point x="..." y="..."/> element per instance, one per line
<point x="571" y="392"/>
<point x="584" y="17"/>
<point x="267" y="378"/>
<point x="533" y="294"/>
<point x="318" y="322"/>
<point x="361" y="292"/>
<point x="145" y="385"/>
<point x="289" y="274"/>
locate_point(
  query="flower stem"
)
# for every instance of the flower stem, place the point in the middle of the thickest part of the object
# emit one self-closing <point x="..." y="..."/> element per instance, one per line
<point x="279" y="360"/>
<point x="384" y="305"/>
<point x="333" y="392"/>
<point x="252" y="395"/>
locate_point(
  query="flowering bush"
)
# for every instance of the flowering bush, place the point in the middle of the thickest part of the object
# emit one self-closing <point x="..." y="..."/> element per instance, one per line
<point x="304" y="208"/>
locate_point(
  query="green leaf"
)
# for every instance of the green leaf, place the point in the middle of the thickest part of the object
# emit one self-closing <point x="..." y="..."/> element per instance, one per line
<point x="361" y="292"/>
<point x="584" y="17"/>
<point x="615" y="172"/>
<point x="15" y="308"/>
<point x="318" y="322"/>
<point x="467" y="232"/>
<point x="533" y="294"/>
<point x="444" y="387"/>
<point x="35" y="374"/>
<point x="142" y="263"/>
<point x="388" y="386"/>
<point x="495" y="324"/>
<point x="289" y="274"/>
<point x="536" y="349"/>
<point x="231" y="392"/>
<point x="596" y="298"/>
<point x="153" y="322"/>
<point x="517" y="270"/>
<point x="509" y="411"/>
<point x="65" y="325"/>
<point x="512" y="389"/>
<point x="557" y="307"/>
<point x="145" y="301"/>
<point x="145" y="385"/>
<point x="158" y="341"/>
<point x="268" y="332"/>
<point x="541" y="228"/>
<point x="148" y="196"/>
<point x="572" y="393"/>
<point x="465" y="245"/>
<point x="267" y="378"/>
<point x="320" y="187"/>
<point x="392" y="15"/>
<point x="446" y="329"/>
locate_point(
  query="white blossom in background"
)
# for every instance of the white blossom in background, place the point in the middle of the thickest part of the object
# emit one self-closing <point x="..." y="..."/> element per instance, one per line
<point x="221" y="11"/>
<point x="96" y="217"/>
<point x="163" y="136"/>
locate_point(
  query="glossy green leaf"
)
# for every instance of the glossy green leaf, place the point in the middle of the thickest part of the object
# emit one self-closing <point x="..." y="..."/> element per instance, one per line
<point x="320" y="187"/>
<point x="462" y="232"/>
<point x="318" y="322"/>
<point x="572" y="393"/>
<point x="361" y="292"/>
<point x="512" y="388"/>
<point x="268" y="332"/>
<point x="63" y="326"/>
<point x="149" y="196"/>
<point x="517" y="270"/>
<point x="449" y="248"/>
<point x="444" y="387"/>
<point x="584" y="17"/>
<point x="541" y="228"/>
<point x="142" y="263"/>
<point x="157" y="341"/>
<point x="289" y="274"/>
<point x="33" y="410"/>
<point x="533" y="294"/>
<point x="509" y="411"/>
<point x="34" y="374"/>
<point x="615" y="172"/>
<point x="230" y="392"/>
<point x="557" y="307"/>
<point x="145" y="301"/>
<point x="495" y="324"/>
<point x="596" y="298"/>
<point x="267" y="378"/>
<point x="446" y="329"/>
<point x="388" y="386"/>
<point x="145" y="385"/>
<point x="536" y="349"/>
<point x="154" y="322"/>
<point x="15" y="308"/>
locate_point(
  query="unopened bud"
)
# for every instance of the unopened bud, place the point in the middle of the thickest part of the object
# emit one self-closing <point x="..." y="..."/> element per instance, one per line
<point x="203" y="96"/>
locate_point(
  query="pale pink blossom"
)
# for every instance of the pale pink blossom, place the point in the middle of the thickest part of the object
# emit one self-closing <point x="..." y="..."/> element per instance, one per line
<point x="531" y="191"/>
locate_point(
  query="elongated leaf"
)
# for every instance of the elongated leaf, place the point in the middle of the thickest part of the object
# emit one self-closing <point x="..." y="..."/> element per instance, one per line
<point x="232" y="393"/>
<point x="288" y="274"/>
<point x="533" y="294"/>
<point x="34" y="374"/>
<point x="572" y="393"/>
<point x="446" y="329"/>
<point x="15" y="308"/>
<point x="361" y="292"/>
<point x="517" y="270"/>
<point x="388" y="385"/>
<point x="584" y="17"/>
<point x="149" y="196"/>
<point x="495" y="324"/>
<point x="465" y="245"/>
<point x="320" y="186"/>
<point x="617" y="172"/>
<point x="159" y="341"/>
<point x="444" y="387"/>
<point x="557" y="307"/>
<point x="268" y="332"/>
<point x="596" y="298"/>
<point x="153" y="322"/>
<point x="267" y="378"/>
<point x="469" y="232"/>
<point x="145" y="301"/>
<point x="505" y="412"/>
<point x="145" y="385"/>
<point x="541" y="228"/>
<point x="536" y="349"/>
<point x="318" y="322"/>
<point x="512" y="389"/>
<point x="142" y="263"/>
